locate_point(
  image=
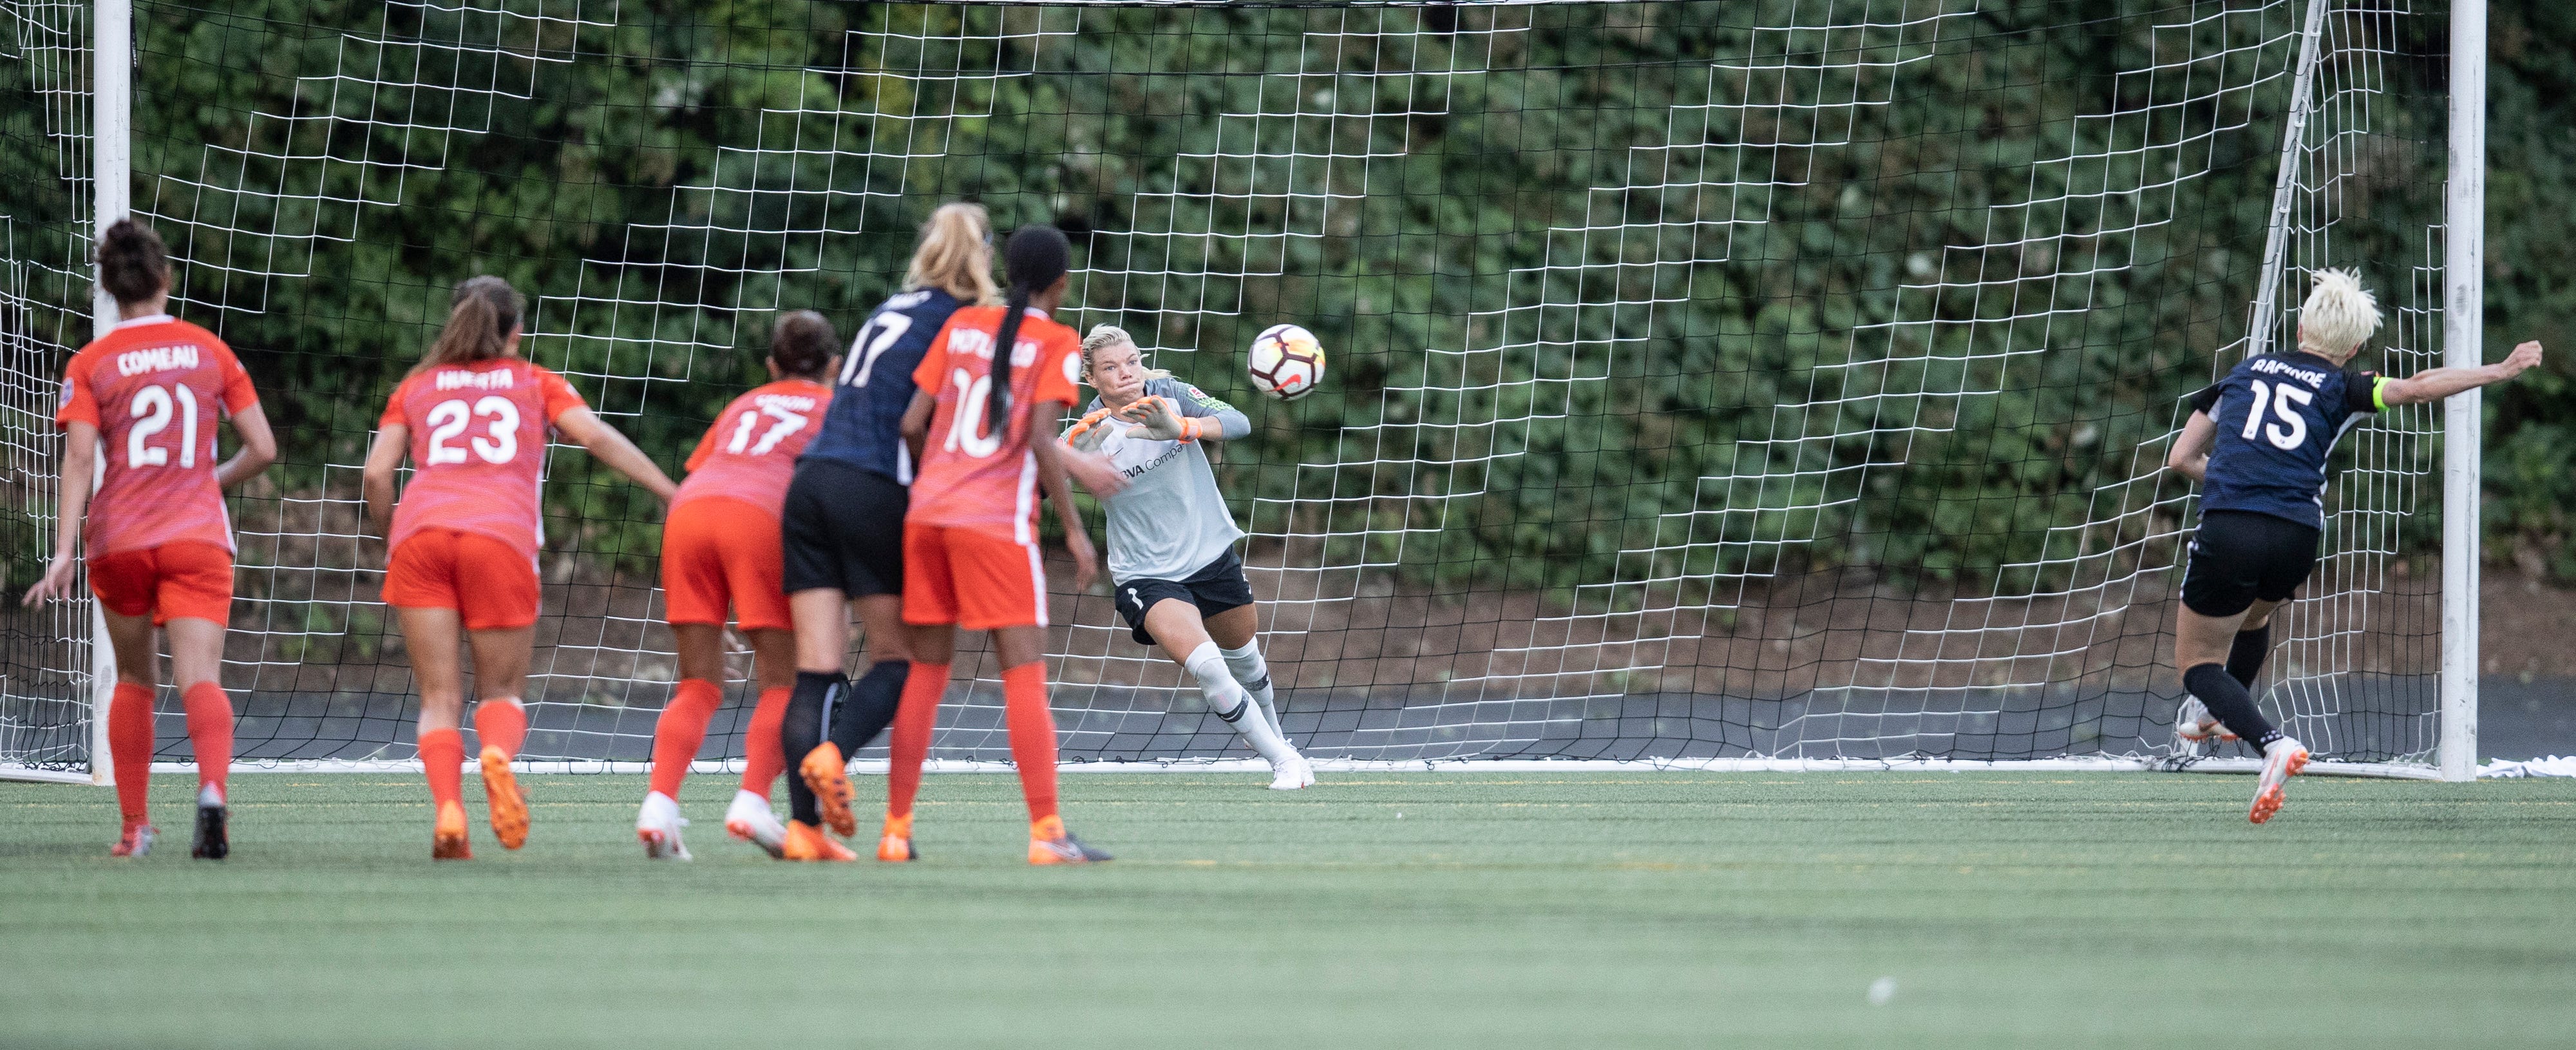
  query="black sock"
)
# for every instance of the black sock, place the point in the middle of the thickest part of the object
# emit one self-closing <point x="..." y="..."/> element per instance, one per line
<point x="2228" y="700"/>
<point x="809" y="708"/>
<point x="2246" y="655"/>
<point x="869" y="705"/>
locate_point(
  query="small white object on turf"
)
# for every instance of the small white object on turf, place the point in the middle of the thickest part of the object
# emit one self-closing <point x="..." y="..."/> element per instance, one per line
<point x="749" y="818"/>
<point x="658" y="827"/>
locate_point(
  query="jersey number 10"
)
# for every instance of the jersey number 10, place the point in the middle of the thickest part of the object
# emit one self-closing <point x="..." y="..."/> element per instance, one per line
<point x="2278" y="399"/>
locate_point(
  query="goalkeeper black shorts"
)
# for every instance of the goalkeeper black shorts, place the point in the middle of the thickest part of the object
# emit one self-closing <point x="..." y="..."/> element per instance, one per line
<point x="843" y="528"/>
<point x="1214" y="588"/>
<point x="2240" y="555"/>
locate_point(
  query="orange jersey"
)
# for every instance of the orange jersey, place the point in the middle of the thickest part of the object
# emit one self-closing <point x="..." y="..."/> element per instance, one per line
<point x="478" y="442"/>
<point x="969" y="476"/>
<point x="750" y="453"/>
<point x="155" y="387"/>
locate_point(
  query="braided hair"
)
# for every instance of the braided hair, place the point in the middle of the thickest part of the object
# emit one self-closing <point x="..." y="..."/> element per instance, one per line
<point x="1036" y="257"/>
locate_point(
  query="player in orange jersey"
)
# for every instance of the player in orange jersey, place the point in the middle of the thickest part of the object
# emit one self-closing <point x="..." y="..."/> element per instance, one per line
<point x="970" y="536"/>
<point x="160" y="545"/>
<point x="461" y="562"/>
<point x="720" y="545"/>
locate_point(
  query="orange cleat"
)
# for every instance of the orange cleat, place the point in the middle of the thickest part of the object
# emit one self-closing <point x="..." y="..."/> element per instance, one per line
<point x="829" y="776"/>
<point x="135" y="842"/>
<point x="2283" y="760"/>
<point x="807" y="842"/>
<point x="895" y="845"/>
<point x="447" y="840"/>
<point x="1049" y="843"/>
<point x="509" y="805"/>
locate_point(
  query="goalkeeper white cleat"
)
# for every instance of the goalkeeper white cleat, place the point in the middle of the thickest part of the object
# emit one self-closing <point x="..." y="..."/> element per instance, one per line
<point x="1291" y="774"/>
<point x="2194" y="726"/>
<point x="658" y="827"/>
<point x="750" y="819"/>
<point x="2283" y="760"/>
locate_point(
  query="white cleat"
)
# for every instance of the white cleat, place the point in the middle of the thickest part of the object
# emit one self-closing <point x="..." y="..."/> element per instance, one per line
<point x="2283" y="760"/>
<point x="750" y="819"/>
<point x="2195" y="726"/>
<point x="658" y="827"/>
<point x="1292" y="774"/>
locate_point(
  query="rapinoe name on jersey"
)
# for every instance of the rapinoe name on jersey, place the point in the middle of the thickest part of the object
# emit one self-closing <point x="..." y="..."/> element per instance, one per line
<point x="2276" y="366"/>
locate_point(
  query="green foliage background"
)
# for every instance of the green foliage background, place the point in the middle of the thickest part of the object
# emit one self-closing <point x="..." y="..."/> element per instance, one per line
<point x="623" y="127"/>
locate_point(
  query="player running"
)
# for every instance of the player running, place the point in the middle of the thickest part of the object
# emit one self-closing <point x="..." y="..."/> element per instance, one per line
<point x="720" y="545"/>
<point x="160" y="547"/>
<point x="844" y="530"/>
<point x="970" y="537"/>
<point x="462" y="546"/>
<point x="2257" y="441"/>
<point x="1172" y="566"/>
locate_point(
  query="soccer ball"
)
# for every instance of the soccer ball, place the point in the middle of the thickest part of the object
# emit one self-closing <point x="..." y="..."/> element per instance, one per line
<point x="1286" y="362"/>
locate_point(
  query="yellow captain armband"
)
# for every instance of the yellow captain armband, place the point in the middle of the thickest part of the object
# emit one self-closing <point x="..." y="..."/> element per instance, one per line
<point x="2379" y="393"/>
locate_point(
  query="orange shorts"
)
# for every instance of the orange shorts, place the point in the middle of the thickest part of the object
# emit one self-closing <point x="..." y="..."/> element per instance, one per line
<point x="970" y="578"/>
<point x="182" y="578"/>
<point x="491" y="586"/>
<point x="715" y="548"/>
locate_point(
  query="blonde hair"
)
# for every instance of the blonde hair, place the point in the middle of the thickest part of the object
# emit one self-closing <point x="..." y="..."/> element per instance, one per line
<point x="1104" y="336"/>
<point x="2338" y="315"/>
<point x="956" y="254"/>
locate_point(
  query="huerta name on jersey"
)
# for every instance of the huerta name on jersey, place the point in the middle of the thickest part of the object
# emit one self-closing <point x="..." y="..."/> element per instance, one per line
<point x="862" y="426"/>
<point x="2278" y="418"/>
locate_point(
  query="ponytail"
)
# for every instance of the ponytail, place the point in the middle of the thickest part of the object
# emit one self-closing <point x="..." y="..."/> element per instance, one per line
<point x="485" y="312"/>
<point x="1037" y="256"/>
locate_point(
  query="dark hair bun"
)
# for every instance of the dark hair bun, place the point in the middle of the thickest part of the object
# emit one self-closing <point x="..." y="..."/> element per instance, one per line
<point x="1036" y="256"/>
<point x="802" y="343"/>
<point x="133" y="265"/>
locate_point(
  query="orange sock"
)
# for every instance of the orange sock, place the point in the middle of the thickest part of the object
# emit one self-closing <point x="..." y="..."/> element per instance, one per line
<point x="1024" y="708"/>
<point x="762" y="756"/>
<point x="676" y="736"/>
<point x="502" y="723"/>
<point x="442" y="758"/>
<point x="129" y="746"/>
<point x="910" y="743"/>
<point x="210" y="728"/>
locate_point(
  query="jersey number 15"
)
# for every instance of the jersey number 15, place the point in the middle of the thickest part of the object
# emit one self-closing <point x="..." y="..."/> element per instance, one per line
<point x="2292" y="430"/>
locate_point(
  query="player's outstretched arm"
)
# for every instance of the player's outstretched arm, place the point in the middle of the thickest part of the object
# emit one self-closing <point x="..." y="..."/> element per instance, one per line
<point x="258" y="448"/>
<point x="2190" y="453"/>
<point x="71" y="509"/>
<point x="376" y="481"/>
<point x="2434" y="384"/>
<point x="612" y="448"/>
<point x="1052" y="456"/>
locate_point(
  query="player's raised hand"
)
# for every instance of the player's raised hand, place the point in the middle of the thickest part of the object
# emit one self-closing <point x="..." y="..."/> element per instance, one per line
<point x="2523" y="358"/>
<point x="1155" y="418"/>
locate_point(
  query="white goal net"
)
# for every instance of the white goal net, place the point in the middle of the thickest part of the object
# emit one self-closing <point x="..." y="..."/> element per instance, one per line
<point x="1710" y="381"/>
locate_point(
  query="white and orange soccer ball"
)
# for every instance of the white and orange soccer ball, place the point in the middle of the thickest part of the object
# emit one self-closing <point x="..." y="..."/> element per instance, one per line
<point x="1285" y="362"/>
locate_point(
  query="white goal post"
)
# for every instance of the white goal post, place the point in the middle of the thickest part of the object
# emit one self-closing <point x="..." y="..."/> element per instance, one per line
<point x="1723" y="323"/>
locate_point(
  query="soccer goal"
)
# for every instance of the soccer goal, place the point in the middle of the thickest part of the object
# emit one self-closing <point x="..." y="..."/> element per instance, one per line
<point x="1715" y="384"/>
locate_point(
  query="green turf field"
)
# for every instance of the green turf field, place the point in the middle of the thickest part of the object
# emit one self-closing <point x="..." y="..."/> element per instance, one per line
<point x="1468" y="910"/>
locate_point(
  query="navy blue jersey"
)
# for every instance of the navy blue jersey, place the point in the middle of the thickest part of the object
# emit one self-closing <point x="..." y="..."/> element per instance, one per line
<point x="864" y="425"/>
<point x="2278" y="416"/>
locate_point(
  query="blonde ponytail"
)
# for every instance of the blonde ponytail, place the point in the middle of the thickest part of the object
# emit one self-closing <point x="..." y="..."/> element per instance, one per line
<point x="956" y="255"/>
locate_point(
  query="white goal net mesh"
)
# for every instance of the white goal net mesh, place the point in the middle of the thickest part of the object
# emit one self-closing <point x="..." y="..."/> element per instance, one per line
<point x="1710" y="380"/>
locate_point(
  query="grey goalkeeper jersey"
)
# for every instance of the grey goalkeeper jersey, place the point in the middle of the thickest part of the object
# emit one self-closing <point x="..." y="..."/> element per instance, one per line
<point x="1170" y="521"/>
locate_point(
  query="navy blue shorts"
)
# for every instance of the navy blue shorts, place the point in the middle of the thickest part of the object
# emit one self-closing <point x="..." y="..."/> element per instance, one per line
<point x="1214" y="588"/>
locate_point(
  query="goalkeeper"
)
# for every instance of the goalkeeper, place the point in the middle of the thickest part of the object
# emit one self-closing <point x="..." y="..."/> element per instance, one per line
<point x="1178" y="583"/>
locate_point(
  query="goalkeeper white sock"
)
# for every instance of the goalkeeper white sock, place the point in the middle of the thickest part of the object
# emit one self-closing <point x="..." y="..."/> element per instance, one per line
<point x="1254" y="675"/>
<point x="1228" y="699"/>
